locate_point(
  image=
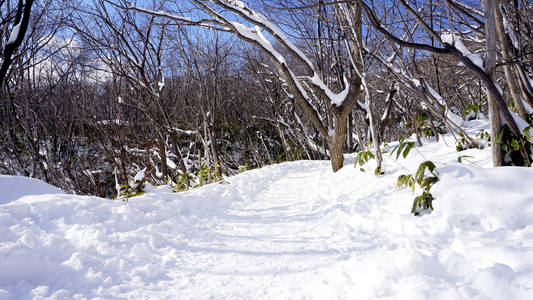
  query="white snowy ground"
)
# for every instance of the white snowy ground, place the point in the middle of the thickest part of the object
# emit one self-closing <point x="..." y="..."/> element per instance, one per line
<point x="288" y="231"/>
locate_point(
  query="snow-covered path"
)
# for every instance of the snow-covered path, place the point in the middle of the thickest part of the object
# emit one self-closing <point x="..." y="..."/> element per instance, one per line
<point x="289" y="239"/>
<point x="287" y="231"/>
<point x="271" y="239"/>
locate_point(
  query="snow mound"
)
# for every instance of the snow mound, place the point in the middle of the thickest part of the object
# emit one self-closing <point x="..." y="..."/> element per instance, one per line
<point x="499" y="198"/>
<point x="15" y="187"/>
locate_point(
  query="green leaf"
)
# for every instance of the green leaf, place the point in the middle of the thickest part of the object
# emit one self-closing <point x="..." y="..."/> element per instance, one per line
<point x="393" y="149"/>
<point x="410" y="145"/>
<point x="419" y="175"/>
<point x="428" y="182"/>
<point x="401" y="180"/>
<point x="402" y="145"/>
<point x="416" y="204"/>
<point x="371" y="155"/>
<point x="378" y="171"/>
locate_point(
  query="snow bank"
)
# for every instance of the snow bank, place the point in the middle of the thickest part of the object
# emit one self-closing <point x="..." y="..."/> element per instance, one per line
<point x="499" y="198"/>
<point x="14" y="187"/>
<point x="292" y="230"/>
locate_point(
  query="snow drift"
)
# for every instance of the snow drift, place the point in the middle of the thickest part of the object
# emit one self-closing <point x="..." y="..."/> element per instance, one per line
<point x="14" y="187"/>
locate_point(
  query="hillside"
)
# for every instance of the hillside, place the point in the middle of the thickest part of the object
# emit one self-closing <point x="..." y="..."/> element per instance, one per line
<point x="291" y="230"/>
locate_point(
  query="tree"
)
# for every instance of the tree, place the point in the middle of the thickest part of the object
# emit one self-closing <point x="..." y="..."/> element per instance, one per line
<point x="305" y="86"/>
<point x="451" y="40"/>
<point x="19" y="19"/>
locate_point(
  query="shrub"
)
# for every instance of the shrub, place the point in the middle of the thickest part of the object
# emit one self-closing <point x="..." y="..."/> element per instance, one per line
<point x="424" y="202"/>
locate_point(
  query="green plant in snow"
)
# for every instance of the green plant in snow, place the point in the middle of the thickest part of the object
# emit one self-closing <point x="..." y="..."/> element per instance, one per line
<point x="406" y="181"/>
<point x="207" y="175"/>
<point x="402" y="148"/>
<point x="181" y="182"/>
<point x="473" y="109"/>
<point x="131" y="190"/>
<point x="513" y="147"/>
<point x="244" y="168"/>
<point x="460" y="158"/>
<point x="363" y="157"/>
<point x="422" y="122"/>
<point x="482" y="134"/>
<point x="463" y="143"/>
<point x="424" y="202"/>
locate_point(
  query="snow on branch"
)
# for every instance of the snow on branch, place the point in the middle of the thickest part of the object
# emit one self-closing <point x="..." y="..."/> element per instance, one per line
<point x="255" y="36"/>
<point x="13" y="36"/>
<point x="260" y="21"/>
<point x="336" y="99"/>
<point x="454" y="41"/>
<point x="206" y="23"/>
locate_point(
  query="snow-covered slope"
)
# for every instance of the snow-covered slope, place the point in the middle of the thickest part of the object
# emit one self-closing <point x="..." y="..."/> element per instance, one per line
<point x="293" y="230"/>
<point x="14" y="187"/>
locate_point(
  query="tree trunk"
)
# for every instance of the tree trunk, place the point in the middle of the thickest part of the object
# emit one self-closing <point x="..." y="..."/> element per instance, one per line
<point x="336" y="142"/>
<point x="373" y="126"/>
<point x="507" y="67"/>
<point x="432" y="124"/>
<point x="181" y="162"/>
<point x="163" y="155"/>
<point x="490" y="63"/>
<point x="284" y="143"/>
<point x="214" y="150"/>
<point x="349" y="135"/>
<point x="527" y="89"/>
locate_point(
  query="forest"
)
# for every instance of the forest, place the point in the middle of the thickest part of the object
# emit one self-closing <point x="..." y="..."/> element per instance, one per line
<point x="266" y="149"/>
<point x="97" y="95"/>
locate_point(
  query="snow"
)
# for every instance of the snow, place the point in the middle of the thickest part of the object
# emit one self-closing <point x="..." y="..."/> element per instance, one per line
<point x="336" y="99"/>
<point x="455" y="41"/>
<point x="256" y="35"/>
<point x="291" y="230"/>
<point x="171" y="163"/>
<point x="520" y="122"/>
<point x="14" y="187"/>
<point x="14" y="34"/>
<point x="140" y="175"/>
<point x="114" y="122"/>
<point x="510" y="32"/>
<point x="435" y="95"/>
<point x="455" y="118"/>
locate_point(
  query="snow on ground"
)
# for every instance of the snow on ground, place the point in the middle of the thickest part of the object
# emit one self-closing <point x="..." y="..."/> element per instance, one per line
<point x="293" y="230"/>
<point x="14" y="187"/>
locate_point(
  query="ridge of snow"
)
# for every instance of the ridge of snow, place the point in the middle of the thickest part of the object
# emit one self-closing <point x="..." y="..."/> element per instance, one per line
<point x="15" y="187"/>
